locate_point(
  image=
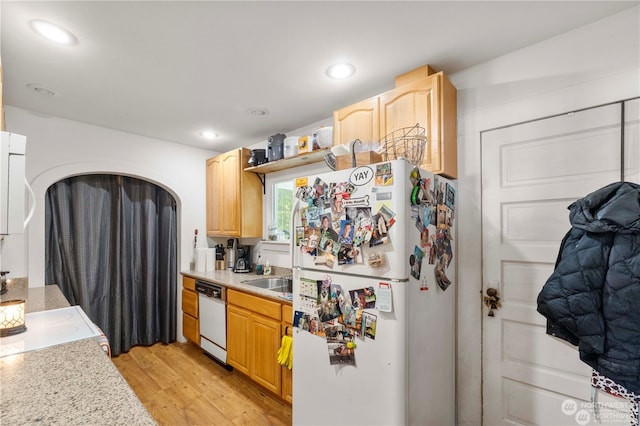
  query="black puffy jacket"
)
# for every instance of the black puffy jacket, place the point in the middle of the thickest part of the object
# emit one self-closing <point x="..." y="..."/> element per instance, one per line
<point x="592" y="299"/>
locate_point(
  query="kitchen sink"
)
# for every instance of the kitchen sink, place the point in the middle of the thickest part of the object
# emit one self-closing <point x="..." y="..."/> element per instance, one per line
<point x="279" y="284"/>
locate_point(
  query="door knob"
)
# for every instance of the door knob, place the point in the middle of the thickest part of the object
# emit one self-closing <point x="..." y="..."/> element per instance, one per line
<point x="492" y="300"/>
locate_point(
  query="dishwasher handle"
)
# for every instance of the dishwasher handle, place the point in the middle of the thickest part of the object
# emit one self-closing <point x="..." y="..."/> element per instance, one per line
<point x="211" y="290"/>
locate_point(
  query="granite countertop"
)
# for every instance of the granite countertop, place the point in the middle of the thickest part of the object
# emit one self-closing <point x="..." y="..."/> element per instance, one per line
<point x="236" y="281"/>
<point x="36" y="299"/>
<point x="72" y="384"/>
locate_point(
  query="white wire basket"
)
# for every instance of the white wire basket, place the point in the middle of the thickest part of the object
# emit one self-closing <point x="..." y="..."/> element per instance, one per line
<point x="406" y="143"/>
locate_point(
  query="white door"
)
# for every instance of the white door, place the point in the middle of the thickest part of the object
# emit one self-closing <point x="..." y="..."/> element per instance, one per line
<point x="531" y="173"/>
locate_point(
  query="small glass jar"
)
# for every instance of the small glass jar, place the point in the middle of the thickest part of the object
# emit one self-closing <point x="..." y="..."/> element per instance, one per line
<point x="273" y="232"/>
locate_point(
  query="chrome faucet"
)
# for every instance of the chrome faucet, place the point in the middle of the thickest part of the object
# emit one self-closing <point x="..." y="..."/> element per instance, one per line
<point x="353" y="152"/>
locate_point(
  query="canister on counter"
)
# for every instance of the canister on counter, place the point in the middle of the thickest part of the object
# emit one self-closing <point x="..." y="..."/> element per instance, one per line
<point x="220" y="264"/>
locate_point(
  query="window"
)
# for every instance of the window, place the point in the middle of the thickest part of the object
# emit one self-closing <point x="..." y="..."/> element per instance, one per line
<point x="280" y="198"/>
<point x="281" y="212"/>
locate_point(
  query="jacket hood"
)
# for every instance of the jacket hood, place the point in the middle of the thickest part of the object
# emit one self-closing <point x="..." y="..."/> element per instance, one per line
<point x="613" y="208"/>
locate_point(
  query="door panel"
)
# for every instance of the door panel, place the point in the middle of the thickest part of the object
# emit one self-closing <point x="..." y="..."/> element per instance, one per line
<point x="357" y="121"/>
<point x="411" y="104"/>
<point x="531" y="173"/>
<point x="265" y="339"/>
<point x="631" y="137"/>
<point x="230" y="166"/>
<point x="238" y="332"/>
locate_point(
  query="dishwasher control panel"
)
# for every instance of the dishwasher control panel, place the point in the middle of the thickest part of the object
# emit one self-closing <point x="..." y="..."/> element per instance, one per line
<point x="211" y="290"/>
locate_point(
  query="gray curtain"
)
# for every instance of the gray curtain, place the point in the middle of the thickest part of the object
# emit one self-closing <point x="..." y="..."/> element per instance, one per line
<point x="111" y="248"/>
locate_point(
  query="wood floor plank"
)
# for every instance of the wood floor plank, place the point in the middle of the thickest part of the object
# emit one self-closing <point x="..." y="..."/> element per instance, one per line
<point x="180" y="385"/>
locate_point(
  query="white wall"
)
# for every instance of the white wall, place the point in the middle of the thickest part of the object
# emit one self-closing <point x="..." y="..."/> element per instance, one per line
<point x="596" y="64"/>
<point x="59" y="148"/>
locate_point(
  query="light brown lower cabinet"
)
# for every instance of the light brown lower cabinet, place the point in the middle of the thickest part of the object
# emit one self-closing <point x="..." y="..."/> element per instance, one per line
<point x="238" y="336"/>
<point x="254" y="327"/>
<point x="190" y="322"/>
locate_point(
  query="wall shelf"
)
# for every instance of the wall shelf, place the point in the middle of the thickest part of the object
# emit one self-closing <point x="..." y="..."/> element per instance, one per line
<point x="288" y="163"/>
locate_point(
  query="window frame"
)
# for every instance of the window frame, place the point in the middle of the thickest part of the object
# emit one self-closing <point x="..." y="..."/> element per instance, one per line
<point x="271" y="180"/>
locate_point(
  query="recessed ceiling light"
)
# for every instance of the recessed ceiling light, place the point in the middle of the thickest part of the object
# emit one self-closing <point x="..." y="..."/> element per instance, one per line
<point x="341" y="71"/>
<point x="258" y="111"/>
<point x="53" y="32"/>
<point x="208" y="134"/>
<point x="41" y="90"/>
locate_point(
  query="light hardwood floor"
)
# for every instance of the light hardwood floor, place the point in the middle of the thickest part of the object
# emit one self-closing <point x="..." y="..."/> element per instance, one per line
<point x="180" y="385"/>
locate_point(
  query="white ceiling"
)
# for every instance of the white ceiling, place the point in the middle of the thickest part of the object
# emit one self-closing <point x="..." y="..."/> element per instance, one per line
<point x="169" y="69"/>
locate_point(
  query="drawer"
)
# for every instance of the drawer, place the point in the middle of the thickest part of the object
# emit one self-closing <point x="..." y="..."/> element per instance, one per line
<point x="190" y="303"/>
<point x="189" y="283"/>
<point x="261" y="306"/>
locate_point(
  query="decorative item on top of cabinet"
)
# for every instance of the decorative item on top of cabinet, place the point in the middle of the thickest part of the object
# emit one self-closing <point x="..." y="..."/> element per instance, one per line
<point x="190" y="321"/>
<point x="234" y="196"/>
<point x="420" y="96"/>
<point x="414" y="75"/>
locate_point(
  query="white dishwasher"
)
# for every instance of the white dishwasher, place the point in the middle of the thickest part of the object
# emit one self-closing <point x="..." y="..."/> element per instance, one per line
<point x="213" y="319"/>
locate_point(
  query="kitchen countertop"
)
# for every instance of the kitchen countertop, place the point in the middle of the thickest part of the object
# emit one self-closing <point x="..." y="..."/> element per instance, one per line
<point x="234" y="280"/>
<point x="73" y="383"/>
<point x="37" y="298"/>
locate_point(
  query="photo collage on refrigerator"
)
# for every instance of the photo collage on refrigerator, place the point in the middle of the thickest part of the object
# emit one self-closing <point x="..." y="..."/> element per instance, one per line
<point x="341" y="226"/>
<point x="432" y="208"/>
<point x="338" y="224"/>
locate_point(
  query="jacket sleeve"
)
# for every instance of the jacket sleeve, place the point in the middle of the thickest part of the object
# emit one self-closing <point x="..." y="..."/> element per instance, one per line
<point x="571" y="299"/>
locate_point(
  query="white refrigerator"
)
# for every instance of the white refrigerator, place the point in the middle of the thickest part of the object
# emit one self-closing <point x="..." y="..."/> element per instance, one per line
<point x="374" y="297"/>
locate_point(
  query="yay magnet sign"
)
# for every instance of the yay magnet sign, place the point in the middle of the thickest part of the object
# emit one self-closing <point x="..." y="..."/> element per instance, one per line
<point x="361" y="176"/>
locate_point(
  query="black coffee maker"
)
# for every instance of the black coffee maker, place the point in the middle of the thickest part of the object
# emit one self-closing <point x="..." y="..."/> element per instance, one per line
<point x="243" y="259"/>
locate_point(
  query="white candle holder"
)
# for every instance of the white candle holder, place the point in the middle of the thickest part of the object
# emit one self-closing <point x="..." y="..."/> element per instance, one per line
<point x="12" y="317"/>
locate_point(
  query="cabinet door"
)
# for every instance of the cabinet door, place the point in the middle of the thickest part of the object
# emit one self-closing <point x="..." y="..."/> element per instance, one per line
<point x="412" y="104"/>
<point x="432" y="103"/>
<point x="191" y="328"/>
<point x="357" y="121"/>
<point x="230" y="193"/>
<point x="190" y="302"/>
<point x="447" y="126"/>
<point x="251" y="192"/>
<point x="238" y="335"/>
<point x="234" y="197"/>
<point x="214" y="199"/>
<point x="266" y="342"/>
<point x="287" y="375"/>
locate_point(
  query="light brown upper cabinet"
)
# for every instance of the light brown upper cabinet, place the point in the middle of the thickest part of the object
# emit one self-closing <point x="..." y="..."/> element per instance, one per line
<point x="420" y="97"/>
<point x="357" y="121"/>
<point x="234" y="197"/>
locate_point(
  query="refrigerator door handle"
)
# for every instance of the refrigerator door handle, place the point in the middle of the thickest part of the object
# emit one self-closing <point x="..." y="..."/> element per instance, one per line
<point x="292" y="239"/>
